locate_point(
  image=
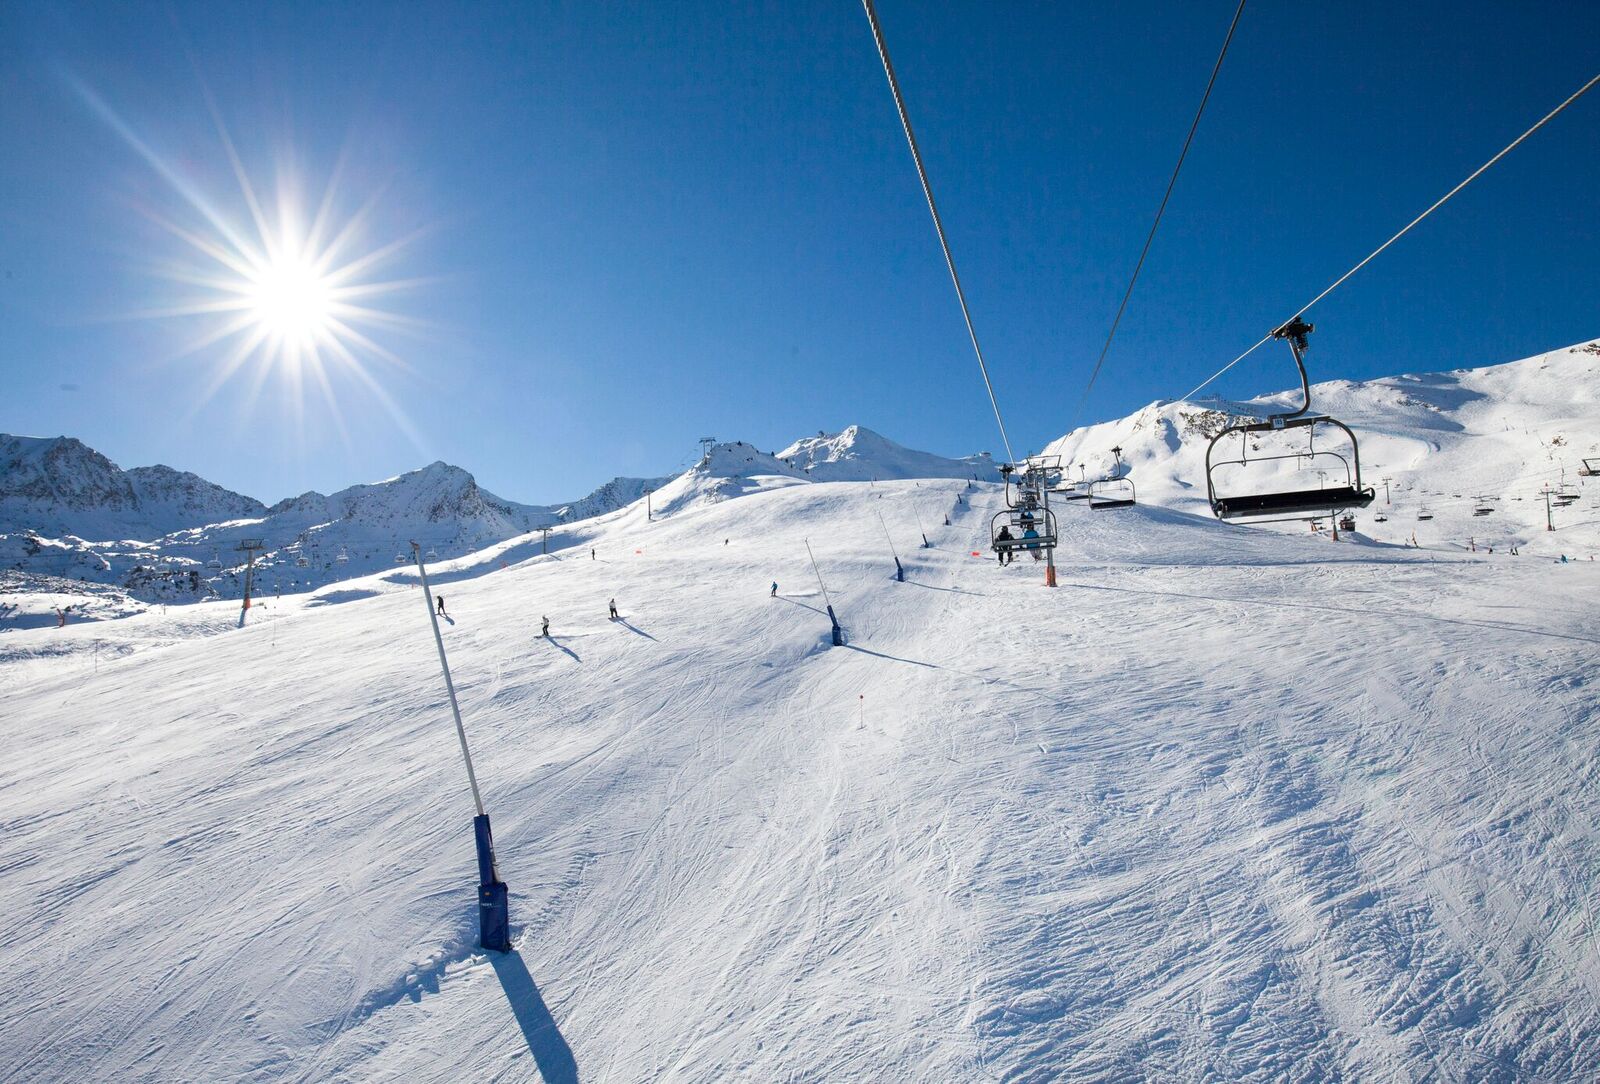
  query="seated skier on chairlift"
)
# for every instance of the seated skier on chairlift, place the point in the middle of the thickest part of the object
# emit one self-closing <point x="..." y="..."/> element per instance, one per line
<point x="1003" y="552"/>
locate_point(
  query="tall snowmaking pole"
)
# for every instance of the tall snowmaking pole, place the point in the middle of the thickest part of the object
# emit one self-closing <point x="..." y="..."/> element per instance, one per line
<point x="923" y="531"/>
<point x="1549" y="520"/>
<point x="838" y="633"/>
<point x="494" y="908"/>
<point x="899" y="572"/>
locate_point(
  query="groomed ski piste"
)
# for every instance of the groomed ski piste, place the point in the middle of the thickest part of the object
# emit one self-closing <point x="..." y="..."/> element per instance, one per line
<point x="1228" y="804"/>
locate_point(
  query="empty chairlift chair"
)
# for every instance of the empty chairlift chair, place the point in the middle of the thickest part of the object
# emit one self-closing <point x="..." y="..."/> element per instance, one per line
<point x="1266" y="501"/>
<point x="1115" y="490"/>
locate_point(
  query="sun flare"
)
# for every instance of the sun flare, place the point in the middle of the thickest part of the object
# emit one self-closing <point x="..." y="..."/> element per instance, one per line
<point x="290" y="298"/>
<point x="286" y="289"/>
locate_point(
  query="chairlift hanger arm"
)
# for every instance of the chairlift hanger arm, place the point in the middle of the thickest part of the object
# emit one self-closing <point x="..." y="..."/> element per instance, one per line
<point x="1296" y="332"/>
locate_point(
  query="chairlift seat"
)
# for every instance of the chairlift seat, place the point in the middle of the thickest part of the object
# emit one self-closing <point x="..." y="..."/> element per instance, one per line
<point x="1292" y="503"/>
<point x="1098" y="503"/>
<point x="1028" y="542"/>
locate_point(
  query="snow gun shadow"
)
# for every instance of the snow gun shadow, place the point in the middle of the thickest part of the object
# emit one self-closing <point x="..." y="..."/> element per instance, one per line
<point x="802" y="605"/>
<point x="952" y="590"/>
<point x="634" y="628"/>
<point x="894" y="658"/>
<point x="545" y="1042"/>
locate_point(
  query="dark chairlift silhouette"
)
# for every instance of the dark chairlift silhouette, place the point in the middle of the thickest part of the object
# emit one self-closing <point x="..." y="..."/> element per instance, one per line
<point x="1292" y="503"/>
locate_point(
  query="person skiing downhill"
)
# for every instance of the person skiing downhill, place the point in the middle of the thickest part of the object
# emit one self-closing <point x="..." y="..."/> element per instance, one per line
<point x="774" y="593"/>
<point x="613" y="609"/>
<point x="441" y="605"/>
<point x="591" y="553"/>
<point x="545" y="629"/>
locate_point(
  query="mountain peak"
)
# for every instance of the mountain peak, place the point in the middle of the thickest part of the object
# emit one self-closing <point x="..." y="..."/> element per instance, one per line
<point x="858" y="454"/>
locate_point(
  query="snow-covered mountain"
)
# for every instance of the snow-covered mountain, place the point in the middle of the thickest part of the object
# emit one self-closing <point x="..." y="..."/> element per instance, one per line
<point x="857" y="454"/>
<point x="1449" y="443"/>
<point x="69" y="512"/>
<point x="59" y="485"/>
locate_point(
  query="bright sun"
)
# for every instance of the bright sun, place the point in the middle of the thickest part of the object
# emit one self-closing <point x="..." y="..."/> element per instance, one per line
<point x="291" y="299"/>
<point x="287" y="288"/>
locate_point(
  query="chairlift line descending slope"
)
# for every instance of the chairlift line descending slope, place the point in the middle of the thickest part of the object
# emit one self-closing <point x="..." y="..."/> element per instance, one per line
<point x="1161" y="210"/>
<point x="938" y="224"/>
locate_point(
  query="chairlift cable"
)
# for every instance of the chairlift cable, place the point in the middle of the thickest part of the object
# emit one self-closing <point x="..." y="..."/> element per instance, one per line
<point x="938" y="225"/>
<point x="1407" y="229"/>
<point x="1172" y="183"/>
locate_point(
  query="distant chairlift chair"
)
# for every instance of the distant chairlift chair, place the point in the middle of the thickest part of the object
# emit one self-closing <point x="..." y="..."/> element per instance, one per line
<point x="1297" y="503"/>
<point x="1115" y="490"/>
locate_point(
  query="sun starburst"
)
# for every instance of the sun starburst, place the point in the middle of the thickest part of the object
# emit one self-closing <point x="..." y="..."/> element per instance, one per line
<point x="280" y="291"/>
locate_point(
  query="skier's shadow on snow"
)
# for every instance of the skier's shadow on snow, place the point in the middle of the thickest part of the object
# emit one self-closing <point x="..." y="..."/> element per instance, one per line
<point x="634" y="628"/>
<point x="448" y="619"/>
<point x="563" y="647"/>
<point x="545" y="1042"/>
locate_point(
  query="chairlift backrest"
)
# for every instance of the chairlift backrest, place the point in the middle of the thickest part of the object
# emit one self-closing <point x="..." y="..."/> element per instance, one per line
<point x="1279" y="503"/>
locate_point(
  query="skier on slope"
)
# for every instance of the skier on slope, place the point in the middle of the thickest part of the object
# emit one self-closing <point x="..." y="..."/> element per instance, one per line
<point x="545" y="629"/>
<point x="591" y="553"/>
<point x="774" y="593"/>
<point x="613" y="609"/>
<point x="441" y="605"/>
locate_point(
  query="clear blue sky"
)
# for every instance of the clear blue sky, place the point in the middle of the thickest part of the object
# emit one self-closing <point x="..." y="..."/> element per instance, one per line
<point x="647" y="223"/>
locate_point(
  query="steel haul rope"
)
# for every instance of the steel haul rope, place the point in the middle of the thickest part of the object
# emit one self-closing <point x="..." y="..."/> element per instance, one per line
<point x="1474" y="175"/>
<point x="1137" y="267"/>
<point x="922" y="175"/>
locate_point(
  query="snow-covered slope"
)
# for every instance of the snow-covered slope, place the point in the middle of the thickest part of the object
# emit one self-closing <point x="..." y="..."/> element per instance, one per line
<point x="1228" y="805"/>
<point x="59" y="485"/>
<point x="857" y="454"/>
<point x="1442" y="439"/>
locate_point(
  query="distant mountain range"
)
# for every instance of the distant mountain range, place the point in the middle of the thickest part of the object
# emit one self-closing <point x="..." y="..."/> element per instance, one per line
<point x="1450" y="445"/>
<point x="68" y="511"/>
